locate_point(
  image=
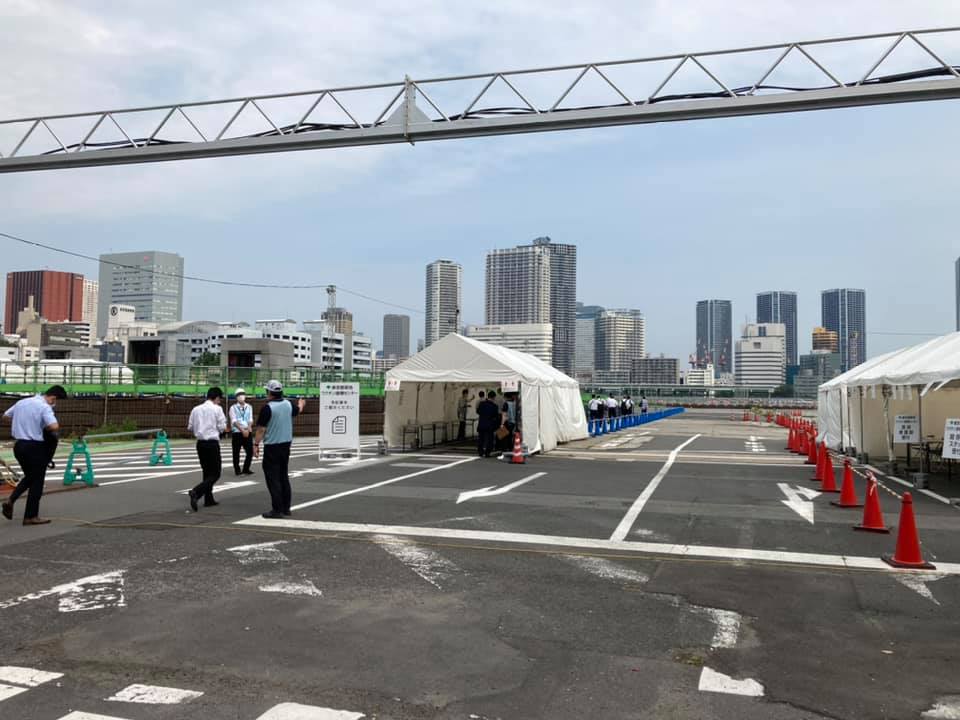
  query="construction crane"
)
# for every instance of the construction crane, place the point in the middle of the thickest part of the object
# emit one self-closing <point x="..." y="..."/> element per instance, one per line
<point x="413" y="111"/>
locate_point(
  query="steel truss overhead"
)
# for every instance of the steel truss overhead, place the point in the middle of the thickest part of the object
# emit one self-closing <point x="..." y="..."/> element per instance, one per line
<point x="284" y="122"/>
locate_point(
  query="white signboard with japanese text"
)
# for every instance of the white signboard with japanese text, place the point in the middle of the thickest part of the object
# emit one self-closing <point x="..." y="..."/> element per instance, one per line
<point x="392" y="384"/>
<point x="906" y="429"/>
<point x="951" y="439"/>
<point x="340" y="416"/>
<point x="509" y="386"/>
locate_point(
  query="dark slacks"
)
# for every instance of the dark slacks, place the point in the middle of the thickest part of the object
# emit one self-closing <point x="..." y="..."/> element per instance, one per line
<point x="209" y="453"/>
<point x="239" y="441"/>
<point x="485" y="440"/>
<point x="276" y="472"/>
<point x="462" y="431"/>
<point x="33" y="456"/>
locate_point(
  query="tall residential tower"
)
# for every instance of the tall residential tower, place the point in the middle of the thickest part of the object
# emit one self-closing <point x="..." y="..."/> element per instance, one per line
<point x="715" y="335"/>
<point x="844" y="311"/>
<point x="396" y="336"/>
<point x="444" y="295"/>
<point x="780" y="306"/>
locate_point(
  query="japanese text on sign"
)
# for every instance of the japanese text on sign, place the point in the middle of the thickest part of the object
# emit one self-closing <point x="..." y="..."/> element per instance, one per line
<point x="906" y="429"/>
<point x="339" y="416"/>
<point x="951" y="439"/>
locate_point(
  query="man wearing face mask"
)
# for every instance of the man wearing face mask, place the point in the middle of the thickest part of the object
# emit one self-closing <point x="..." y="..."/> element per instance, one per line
<point x="241" y="431"/>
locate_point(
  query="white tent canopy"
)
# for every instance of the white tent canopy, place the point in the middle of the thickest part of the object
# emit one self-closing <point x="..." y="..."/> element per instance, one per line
<point x="430" y="383"/>
<point x="855" y="411"/>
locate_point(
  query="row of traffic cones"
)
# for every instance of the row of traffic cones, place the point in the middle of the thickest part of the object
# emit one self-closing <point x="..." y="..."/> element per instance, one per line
<point x="908" y="553"/>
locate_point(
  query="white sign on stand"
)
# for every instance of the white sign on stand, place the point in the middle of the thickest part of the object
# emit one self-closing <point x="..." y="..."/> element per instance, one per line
<point x="340" y="417"/>
<point x="951" y="439"/>
<point x="906" y="429"/>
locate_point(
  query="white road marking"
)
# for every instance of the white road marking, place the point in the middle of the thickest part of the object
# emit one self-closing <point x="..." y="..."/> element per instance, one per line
<point x="607" y="570"/>
<point x="802" y="507"/>
<point x="8" y="691"/>
<point x="154" y="695"/>
<point x="946" y="708"/>
<point x="492" y="490"/>
<point x="294" y="711"/>
<point x="306" y="588"/>
<point x="917" y="583"/>
<point x="783" y="557"/>
<point x="727" y="623"/>
<point x="432" y="567"/>
<point x="623" y="529"/>
<point x="913" y="488"/>
<point x="412" y="465"/>
<point x="713" y="681"/>
<point x="266" y="552"/>
<point x="755" y="444"/>
<point x="224" y="486"/>
<point x="354" y="491"/>
<point x="90" y="593"/>
<point x="28" y="677"/>
<point x="77" y="715"/>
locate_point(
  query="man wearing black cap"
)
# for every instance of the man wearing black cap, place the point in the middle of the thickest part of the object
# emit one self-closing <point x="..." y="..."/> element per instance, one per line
<point x="35" y="429"/>
<point x="275" y="433"/>
<point x="207" y="422"/>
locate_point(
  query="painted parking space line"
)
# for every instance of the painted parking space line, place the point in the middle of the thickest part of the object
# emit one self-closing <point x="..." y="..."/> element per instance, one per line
<point x="28" y="677"/>
<point x="9" y="691"/>
<point x="716" y="682"/>
<point x="623" y="529"/>
<point x="382" y="483"/>
<point x="780" y="557"/>
<point x="153" y="695"/>
<point x="79" y="715"/>
<point x="295" y="711"/>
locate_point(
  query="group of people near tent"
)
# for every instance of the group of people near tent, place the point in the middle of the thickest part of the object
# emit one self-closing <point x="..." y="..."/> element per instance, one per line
<point x="496" y="421"/>
<point x="610" y="407"/>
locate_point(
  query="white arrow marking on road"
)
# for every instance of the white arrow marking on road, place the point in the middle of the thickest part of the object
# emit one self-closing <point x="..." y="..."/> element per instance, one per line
<point x="802" y="507"/>
<point x="918" y="583"/>
<point x="90" y="593"/>
<point x="494" y="490"/>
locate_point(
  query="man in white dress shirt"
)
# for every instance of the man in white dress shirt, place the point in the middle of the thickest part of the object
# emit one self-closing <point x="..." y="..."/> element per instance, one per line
<point x="207" y="422"/>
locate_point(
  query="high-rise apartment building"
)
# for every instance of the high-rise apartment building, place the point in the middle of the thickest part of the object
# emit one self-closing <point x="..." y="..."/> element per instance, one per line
<point x="715" y="335"/>
<point x="823" y="339"/>
<point x="340" y="319"/>
<point x="91" y="294"/>
<point x="844" y="311"/>
<point x="780" y="306"/>
<point x="621" y="337"/>
<point x="396" y="336"/>
<point x="443" y="299"/>
<point x="585" y="356"/>
<point x="150" y="281"/>
<point x="57" y="296"/>
<point x="761" y="355"/>
<point x="532" y="338"/>
<point x="536" y="283"/>
<point x="655" y="371"/>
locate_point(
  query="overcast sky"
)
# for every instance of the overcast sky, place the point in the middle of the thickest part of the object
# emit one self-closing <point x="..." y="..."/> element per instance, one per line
<point x="663" y="215"/>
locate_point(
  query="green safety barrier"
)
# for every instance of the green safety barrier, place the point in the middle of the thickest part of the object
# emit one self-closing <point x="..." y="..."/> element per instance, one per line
<point x="79" y="448"/>
<point x="165" y="455"/>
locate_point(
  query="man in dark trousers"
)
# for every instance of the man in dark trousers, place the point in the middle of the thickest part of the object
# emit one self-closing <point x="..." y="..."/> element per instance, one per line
<point x="241" y="431"/>
<point x="488" y="420"/>
<point x="34" y="428"/>
<point x="207" y="422"/>
<point x="275" y="433"/>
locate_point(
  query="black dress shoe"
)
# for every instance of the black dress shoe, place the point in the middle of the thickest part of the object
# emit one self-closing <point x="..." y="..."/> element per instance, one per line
<point x="193" y="500"/>
<point x="7" y="509"/>
<point x="237" y="473"/>
<point x="210" y="503"/>
<point x="287" y="513"/>
<point x="272" y="515"/>
<point x="248" y="472"/>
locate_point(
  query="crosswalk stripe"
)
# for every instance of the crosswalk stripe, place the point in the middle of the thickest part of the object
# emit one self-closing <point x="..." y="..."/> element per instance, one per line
<point x="295" y="711"/>
<point x="28" y="677"/>
<point x="8" y="691"/>
<point x="153" y="695"/>
<point x="78" y="715"/>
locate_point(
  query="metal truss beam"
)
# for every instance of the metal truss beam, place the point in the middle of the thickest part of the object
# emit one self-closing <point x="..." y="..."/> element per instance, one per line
<point x="104" y="137"/>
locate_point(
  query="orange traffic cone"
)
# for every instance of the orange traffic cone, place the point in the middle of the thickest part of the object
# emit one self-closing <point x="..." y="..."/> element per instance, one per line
<point x="848" y="492"/>
<point x="811" y="450"/>
<point x="828" y="482"/>
<point x="872" y="516"/>
<point x="801" y="444"/>
<point x="517" y="458"/>
<point x="908" y="554"/>
<point x="790" y="439"/>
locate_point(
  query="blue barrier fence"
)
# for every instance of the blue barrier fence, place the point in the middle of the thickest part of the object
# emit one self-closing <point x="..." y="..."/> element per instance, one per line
<point x="615" y="424"/>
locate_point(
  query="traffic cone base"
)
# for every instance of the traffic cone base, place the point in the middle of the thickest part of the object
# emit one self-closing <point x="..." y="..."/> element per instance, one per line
<point x="922" y="565"/>
<point x="841" y="504"/>
<point x="884" y="530"/>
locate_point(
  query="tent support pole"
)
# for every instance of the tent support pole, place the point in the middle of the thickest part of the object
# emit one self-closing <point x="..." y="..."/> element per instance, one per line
<point x="863" y="450"/>
<point x="920" y="427"/>
<point x="840" y="394"/>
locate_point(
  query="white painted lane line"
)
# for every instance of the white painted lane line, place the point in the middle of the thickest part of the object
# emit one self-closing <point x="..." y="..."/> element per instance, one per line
<point x="294" y="711"/>
<point x="96" y="592"/>
<point x="412" y="465"/>
<point x="713" y="681"/>
<point x="492" y="490"/>
<point x="382" y="483"/>
<point x="266" y="552"/>
<point x="8" y="691"/>
<point x="306" y="588"/>
<point x="918" y="583"/>
<point x="727" y="624"/>
<point x="700" y="551"/>
<point x="224" y="486"/>
<point x="607" y="570"/>
<point x="28" y="677"/>
<point x="623" y="529"/>
<point x="77" y="715"/>
<point x="910" y="485"/>
<point x="431" y="566"/>
<point x="154" y="695"/>
<point x="946" y="708"/>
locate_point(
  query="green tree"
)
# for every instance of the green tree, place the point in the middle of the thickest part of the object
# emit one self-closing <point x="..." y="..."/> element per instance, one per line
<point x="208" y="359"/>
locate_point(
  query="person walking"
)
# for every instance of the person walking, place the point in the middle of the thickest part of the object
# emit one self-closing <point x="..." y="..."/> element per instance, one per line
<point x="35" y="429"/>
<point x="462" y="407"/>
<point x="612" y="406"/>
<point x="207" y="423"/>
<point x="594" y="405"/>
<point x="241" y="432"/>
<point x="275" y="433"/>
<point x="488" y="420"/>
<point x="644" y="406"/>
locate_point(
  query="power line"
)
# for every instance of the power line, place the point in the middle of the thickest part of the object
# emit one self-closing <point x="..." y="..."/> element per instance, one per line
<point x="197" y="278"/>
<point x="906" y="334"/>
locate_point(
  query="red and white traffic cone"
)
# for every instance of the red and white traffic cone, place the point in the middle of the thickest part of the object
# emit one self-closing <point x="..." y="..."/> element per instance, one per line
<point x="828" y="482"/>
<point x="518" y="458"/>
<point x="872" y="516"/>
<point x="848" y="492"/>
<point x="811" y="450"/>
<point x="908" y="553"/>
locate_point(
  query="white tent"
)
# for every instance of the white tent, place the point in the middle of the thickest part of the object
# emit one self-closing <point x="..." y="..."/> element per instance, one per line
<point x="858" y="407"/>
<point x="427" y="387"/>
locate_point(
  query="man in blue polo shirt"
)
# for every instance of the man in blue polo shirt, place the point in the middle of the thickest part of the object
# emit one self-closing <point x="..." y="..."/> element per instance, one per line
<point x="275" y="433"/>
<point x="34" y="428"/>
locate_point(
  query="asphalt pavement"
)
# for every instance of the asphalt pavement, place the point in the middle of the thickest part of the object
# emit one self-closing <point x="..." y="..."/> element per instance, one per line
<point x="686" y="568"/>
